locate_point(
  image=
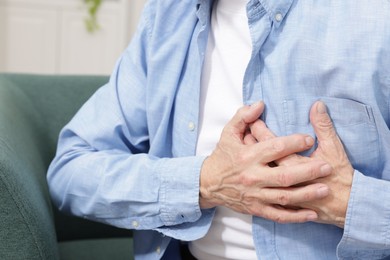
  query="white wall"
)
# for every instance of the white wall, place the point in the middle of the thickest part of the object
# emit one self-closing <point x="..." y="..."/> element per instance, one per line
<point x="136" y="7"/>
<point x="49" y="36"/>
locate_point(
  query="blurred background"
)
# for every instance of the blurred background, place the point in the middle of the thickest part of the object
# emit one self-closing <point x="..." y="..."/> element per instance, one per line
<point x="65" y="36"/>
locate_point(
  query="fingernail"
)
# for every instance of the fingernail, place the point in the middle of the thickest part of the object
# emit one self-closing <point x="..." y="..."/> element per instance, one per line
<point x="325" y="170"/>
<point x="321" y="108"/>
<point x="323" y="191"/>
<point x="309" y="141"/>
<point x="256" y="104"/>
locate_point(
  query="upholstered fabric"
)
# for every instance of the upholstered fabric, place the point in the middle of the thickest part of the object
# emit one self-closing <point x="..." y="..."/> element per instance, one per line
<point x="33" y="109"/>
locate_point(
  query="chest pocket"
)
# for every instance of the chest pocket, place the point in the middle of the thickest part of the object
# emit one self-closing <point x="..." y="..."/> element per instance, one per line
<point x="353" y="121"/>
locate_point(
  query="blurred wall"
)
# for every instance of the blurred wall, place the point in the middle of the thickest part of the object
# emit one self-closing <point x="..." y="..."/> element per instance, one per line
<point x="50" y="37"/>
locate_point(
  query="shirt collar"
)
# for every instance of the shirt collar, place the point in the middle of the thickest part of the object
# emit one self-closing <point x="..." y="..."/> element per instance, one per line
<point x="276" y="9"/>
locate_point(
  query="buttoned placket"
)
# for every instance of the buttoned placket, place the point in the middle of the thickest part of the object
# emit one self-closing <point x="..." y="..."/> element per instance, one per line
<point x="259" y="27"/>
<point x="261" y="18"/>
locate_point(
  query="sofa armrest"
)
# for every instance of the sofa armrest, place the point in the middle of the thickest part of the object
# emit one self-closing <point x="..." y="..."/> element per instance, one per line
<point x="33" y="109"/>
<point x="26" y="223"/>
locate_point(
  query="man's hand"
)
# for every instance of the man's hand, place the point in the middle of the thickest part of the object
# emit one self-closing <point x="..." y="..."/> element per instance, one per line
<point x="331" y="209"/>
<point x="239" y="176"/>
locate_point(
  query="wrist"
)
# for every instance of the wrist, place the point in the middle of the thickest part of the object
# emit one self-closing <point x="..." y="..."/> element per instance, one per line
<point x="204" y="203"/>
<point x="205" y="197"/>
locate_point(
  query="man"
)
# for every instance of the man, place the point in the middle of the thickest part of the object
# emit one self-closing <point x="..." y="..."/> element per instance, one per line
<point x="160" y="148"/>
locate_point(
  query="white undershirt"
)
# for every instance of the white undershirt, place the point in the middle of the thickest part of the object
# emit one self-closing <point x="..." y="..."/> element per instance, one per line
<point x="228" y="52"/>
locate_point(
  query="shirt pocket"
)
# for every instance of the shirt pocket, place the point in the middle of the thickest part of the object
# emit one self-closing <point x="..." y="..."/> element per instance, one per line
<point x="354" y="123"/>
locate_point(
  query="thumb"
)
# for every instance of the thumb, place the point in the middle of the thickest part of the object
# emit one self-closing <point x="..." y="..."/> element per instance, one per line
<point x="322" y="123"/>
<point x="245" y="116"/>
<point x="253" y="112"/>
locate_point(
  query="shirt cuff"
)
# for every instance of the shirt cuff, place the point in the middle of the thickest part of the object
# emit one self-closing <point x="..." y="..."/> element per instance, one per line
<point x="190" y="231"/>
<point x="367" y="226"/>
<point x="179" y="190"/>
<point x="179" y="199"/>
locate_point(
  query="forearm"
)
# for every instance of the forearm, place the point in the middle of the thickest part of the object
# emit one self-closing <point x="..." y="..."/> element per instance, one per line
<point x="120" y="188"/>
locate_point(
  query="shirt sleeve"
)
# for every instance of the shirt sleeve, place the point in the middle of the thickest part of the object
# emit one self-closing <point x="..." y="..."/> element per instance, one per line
<point x="103" y="169"/>
<point x="367" y="227"/>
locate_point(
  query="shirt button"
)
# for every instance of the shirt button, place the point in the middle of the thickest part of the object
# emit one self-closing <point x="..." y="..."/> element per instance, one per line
<point x="191" y="126"/>
<point x="158" y="250"/>
<point x="278" y="17"/>
<point x="135" y="224"/>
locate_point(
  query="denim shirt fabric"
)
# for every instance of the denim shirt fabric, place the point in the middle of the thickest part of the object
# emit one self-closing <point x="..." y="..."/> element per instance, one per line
<point x="127" y="157"/>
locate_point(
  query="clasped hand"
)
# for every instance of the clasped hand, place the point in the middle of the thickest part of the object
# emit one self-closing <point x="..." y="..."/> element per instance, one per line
<point x="254" y="172"/>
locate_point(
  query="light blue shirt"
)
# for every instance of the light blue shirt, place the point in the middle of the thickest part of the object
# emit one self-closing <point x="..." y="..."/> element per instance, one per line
<point x="127" y="157"/>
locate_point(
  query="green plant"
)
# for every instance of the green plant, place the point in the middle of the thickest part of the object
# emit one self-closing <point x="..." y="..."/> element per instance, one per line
<point x="91" y="21"/>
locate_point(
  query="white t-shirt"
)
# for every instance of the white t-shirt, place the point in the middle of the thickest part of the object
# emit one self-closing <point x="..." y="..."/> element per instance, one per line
<point x="227" y="56"/>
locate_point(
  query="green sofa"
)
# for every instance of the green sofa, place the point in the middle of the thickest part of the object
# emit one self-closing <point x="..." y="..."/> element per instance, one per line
<point x="33" y="109"/>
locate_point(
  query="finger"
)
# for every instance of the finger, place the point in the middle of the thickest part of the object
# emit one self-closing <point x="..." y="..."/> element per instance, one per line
<point x="249" y="139"/>
<point x="292" y="159"/>
<point x="260" y="131"/>
<point x="283" y="215"/>
<point x="286" y="176"/>
<point x="280" y="147"/>
<point x="245" y="116"/>
<point x="294" y="195"/>
<point x="322" y="123"/>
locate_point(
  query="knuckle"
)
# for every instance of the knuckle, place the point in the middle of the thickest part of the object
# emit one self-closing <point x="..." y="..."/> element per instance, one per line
<point x="247" y="179"/>
<point x="278" y="146"/>
<point x="278" y="218"/>
<point x="325" y="122"/>
<point x="283" y="199"/>
<point x="243" y="157"/>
